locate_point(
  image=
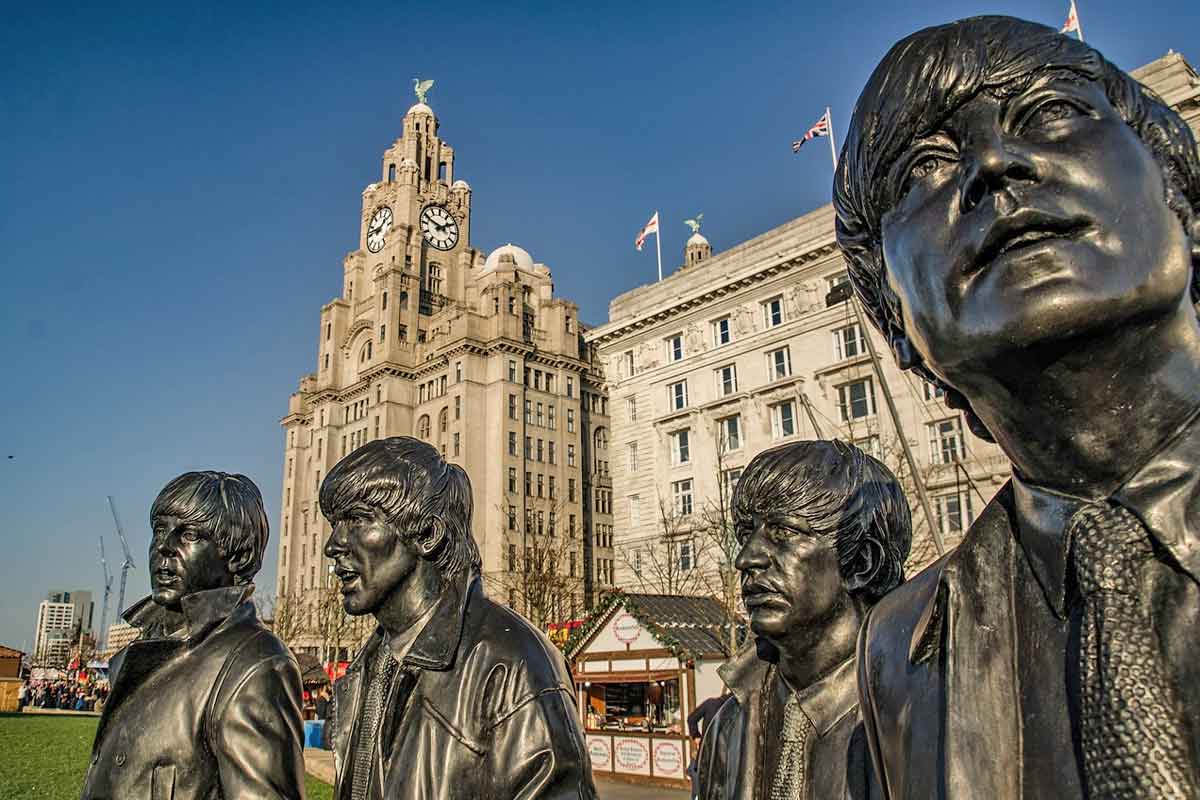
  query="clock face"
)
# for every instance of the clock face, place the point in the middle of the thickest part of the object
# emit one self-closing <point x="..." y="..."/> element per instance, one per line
<point x="378" y="227"/>
<point x="439" y="227"/>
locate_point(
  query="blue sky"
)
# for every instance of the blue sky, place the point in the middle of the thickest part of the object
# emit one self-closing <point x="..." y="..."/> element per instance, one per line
<point x="181" y="183"/>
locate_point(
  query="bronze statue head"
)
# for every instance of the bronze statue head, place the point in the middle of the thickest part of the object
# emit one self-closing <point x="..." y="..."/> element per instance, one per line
<point x="1004" y="193"/>
<point x="821" y="524"/>
<point x="394" y="503"/>
<point x="209" y="531"/>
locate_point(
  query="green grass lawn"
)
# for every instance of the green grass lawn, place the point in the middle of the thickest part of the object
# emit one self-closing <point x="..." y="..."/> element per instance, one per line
<point x="44" y="757"/>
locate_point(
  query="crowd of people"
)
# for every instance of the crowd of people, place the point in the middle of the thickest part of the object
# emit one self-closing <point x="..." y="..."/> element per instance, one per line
<point x="64" y="695"/>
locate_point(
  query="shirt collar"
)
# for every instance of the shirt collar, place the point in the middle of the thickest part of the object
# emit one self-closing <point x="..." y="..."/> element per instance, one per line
<point x="828" y="700"/>
<point x="1164" y="494"/>
<point x="437" y="644"/>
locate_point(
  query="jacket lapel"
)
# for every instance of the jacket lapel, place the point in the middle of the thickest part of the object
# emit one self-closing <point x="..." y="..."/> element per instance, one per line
<point x="969" y="627"/>
<point x="133" y="665"/>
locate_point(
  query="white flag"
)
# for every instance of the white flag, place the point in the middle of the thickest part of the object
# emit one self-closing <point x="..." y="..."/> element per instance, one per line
<point x="651" y="227"/>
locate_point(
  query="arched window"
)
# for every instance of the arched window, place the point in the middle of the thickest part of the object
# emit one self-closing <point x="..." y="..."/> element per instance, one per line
<point x="365" y="353"/>
<point x="601" y="437"/>
<point x="444" y="420"/>
<point x="423" y="427"/>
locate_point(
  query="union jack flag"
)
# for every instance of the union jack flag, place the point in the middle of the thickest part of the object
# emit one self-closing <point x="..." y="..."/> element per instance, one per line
<point x="820" y="128"/>
<point x="1072" y="23"/>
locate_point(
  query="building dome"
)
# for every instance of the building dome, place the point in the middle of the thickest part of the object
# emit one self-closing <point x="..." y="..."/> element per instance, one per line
<point x="509" y="254"/>
<point x="696" y="238"/>
<point x="420" y="108"/>
<point x="460" y="185"/>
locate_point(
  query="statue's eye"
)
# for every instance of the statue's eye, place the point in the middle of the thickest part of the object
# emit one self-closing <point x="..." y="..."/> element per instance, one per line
<point x="1049" y="112"/>
<point x="921" y="168"/>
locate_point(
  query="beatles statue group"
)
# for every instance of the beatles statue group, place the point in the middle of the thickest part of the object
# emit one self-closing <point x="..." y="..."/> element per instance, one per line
<point x="1021" y="221"/>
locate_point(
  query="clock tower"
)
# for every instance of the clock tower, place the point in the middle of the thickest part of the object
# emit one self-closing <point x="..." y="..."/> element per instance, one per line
<point x="473" y="355"/>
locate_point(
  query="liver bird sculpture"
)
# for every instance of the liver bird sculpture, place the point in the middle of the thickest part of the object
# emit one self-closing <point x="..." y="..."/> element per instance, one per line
<point x="422" y="88"/>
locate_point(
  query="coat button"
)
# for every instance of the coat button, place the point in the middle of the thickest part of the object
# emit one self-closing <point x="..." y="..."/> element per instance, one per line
<point x="120" y="759"/>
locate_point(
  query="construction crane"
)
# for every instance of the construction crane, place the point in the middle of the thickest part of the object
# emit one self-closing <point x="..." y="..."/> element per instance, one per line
<point x="107" y="593"/>
<point x="128" y="564"/>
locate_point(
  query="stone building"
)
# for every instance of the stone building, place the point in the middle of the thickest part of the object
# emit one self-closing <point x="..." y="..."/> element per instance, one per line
<point x="476" y="355"/>
<point x="61" y="617"/>
<point x="759" y="345"/>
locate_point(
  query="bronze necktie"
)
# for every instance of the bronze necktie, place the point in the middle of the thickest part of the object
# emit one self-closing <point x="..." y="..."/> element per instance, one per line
<point x="1134" y="741"/>
<point x="381" y="680"/>
<point x="790" y="776"/>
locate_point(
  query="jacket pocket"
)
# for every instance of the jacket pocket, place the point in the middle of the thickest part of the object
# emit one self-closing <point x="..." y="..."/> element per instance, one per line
<point x="162" y="783"/>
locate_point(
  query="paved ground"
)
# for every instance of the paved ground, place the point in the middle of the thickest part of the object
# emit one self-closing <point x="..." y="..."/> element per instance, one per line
<point x="320" y="765"/>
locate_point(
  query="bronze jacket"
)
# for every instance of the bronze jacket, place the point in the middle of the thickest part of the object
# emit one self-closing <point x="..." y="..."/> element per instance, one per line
<point x="212" y="715"/>
<point x="481" y="708"/>
<point x="733" y="753"/>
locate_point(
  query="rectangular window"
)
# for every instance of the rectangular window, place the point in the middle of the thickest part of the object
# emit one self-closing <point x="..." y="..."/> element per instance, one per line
<point x="550" y="452"/>
<point x="731" y="432"/>
<point x="458" y="372"/>
<point x="528" y="412"/>
<point x="834" y="281"/>
<point x="540" y="416"/>
<point x="528" y="484"/>
<point x="512" y="371"/>
<point x="512" y="479"/>
<point x="553" y="490"/>
<point x="550" y="416"/>
<point x="383" y="333"/>
<point x="512" y="443"/>
<point x="674" y="347"/>
<point x="686" y="561"/>
<point x="570" y="490"/>
<point x="572" y="555"/>
<point x="726" y="380"/>
<point x="528" y="447"/>
<point x="945" y="441"/>
<point x="570" y="387"/>
<point x="541" y="484"/>
<point x="729" y="480"/>
<point x="570" y="420"/>
<point x="627" y="360"/>
<point x="457" y="442"/>
<point x="779" y="364"/>
<point x="540" y="451"/>
<point x="457" y="408"/>
<point x="954" y="512"/>
<point x="681" y="447"/>
<point x="721" y="332"/>
<point x="635" y="509"/>
<point x="677" y="396"/>
<point x="631" y="408"/>
<point x="570" y="455"/>
<point x="933" y="391"/>
<point x="783" y="420"/>
<point x="681" y="491"/>
<point x="772" y="312"/>
<point x="847" y="342"/>
<point x="856" y="400"/>
<point x="633" y="456"/>
<point x="870" y="446"/>
<point x="571" y="525"/>
<point x="512" y="558"/>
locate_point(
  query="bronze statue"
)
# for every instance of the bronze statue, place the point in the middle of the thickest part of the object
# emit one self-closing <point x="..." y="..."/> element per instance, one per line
<point x="206" y="702"/>
<point x="824" y="531"/>
<point x="453" y="695"/>
<point x="1020" y="219"/>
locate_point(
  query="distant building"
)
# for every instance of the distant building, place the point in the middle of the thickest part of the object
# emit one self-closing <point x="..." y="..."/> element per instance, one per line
<point x="62" y="616"/>
<point x="120" y="634"/>
<point x="743" y="350"/>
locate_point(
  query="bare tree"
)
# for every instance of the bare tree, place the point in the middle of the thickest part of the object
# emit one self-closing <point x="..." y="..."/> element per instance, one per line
<point x="670" y="561"/>
<point x="285" y="615"/>
<point x="544" y="575"/>
<point x="721" y="544"/>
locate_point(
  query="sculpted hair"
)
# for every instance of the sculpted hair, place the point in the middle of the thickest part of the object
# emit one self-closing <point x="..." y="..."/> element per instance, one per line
<point x="229" y="507"/>
<point x="843" y="494"/>
<point x="925" y="78"/>
<point x="410" y="483"/>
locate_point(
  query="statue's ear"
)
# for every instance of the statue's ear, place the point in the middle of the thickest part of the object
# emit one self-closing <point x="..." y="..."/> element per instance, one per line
<point x="867" y="563"/>
<point x="434" y="537"/>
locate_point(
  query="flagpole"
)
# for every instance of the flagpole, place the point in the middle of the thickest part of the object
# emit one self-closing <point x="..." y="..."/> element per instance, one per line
<point x="1078" y="24"/>
<point x="832" y="149"/>
<point x="658" y="244"/>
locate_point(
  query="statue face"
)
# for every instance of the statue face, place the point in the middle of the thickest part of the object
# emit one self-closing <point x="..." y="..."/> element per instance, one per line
<point x="1028" y="220"/>
<point x="790" y="577"/>
<point x="184" y="559"/>
<point x="371" y="559"/>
